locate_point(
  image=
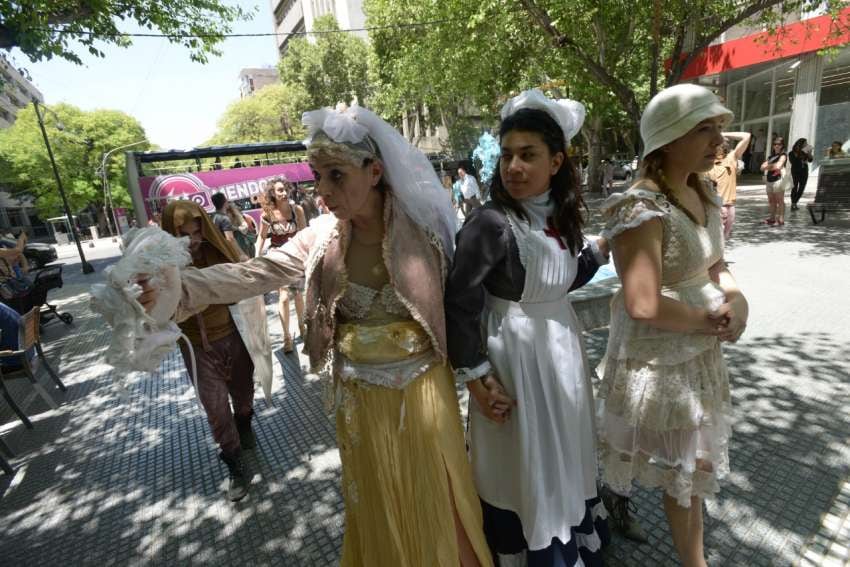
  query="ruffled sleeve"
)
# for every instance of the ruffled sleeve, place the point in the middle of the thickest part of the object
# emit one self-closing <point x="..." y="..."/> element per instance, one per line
<point x="632" y="208"/>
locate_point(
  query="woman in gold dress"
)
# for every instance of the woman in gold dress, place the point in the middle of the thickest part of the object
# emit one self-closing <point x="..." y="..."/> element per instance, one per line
<point x="375" y="270"/>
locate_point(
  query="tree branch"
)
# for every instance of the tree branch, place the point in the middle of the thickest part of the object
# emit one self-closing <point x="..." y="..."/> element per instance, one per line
<point x="679" y="64"/>
<point x="622" y="91"/>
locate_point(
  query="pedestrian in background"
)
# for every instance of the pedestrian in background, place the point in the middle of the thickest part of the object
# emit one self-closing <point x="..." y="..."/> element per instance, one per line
<point x="774" y="169"/>
<point x="244" y="229"/>
<point x="281" y="221"/>
<point x="470" y="191"/>
<point x="800" y="157"/>
<point x="724" y="175"/>
<point x="220" y="218"/>
<point x="607" y="176"/>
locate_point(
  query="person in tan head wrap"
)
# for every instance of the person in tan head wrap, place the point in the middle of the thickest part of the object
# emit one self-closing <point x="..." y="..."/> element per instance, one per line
<point x="224" y="366"/>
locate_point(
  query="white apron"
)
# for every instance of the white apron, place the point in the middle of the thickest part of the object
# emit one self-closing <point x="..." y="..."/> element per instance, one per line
<point x="541" y="463"/>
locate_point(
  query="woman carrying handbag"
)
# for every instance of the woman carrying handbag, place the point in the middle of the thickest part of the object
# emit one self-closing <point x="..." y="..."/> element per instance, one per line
<point x="777" y="181"/>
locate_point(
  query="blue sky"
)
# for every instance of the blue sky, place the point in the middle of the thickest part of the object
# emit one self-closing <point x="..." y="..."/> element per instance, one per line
<point x="177" y="101"/>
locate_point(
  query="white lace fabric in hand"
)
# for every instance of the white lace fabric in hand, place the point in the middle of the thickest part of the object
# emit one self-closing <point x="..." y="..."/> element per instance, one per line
<point x="141" y="340"/>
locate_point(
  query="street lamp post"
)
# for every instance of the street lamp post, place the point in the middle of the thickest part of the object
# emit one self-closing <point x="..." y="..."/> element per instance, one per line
<point x="107" y="190"/>
<point x="87" y="268"/>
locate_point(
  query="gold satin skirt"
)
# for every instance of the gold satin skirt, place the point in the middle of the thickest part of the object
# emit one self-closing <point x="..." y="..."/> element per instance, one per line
<point x="399" y="483"/>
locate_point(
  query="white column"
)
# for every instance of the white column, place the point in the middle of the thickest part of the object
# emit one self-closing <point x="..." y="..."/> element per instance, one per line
<point x="806" y="93"/>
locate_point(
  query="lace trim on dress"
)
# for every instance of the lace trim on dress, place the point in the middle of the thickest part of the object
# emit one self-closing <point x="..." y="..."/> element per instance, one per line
<point x="358" y="300"/>
<point x="467" y="374"/>
<point x="396" y="375"/>
<point x="621" y="469"/>
<point x="665" y="398"/>
<point x="656" y="423"/>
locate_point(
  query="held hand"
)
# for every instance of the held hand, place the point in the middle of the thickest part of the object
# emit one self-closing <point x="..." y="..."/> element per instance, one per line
<point x="500" y="401"/>
<point x="491" y="398"/>
<point x="714" y="322"/>
<point x="730" y="320"/>
<point x="150" y="291"/>
<point x="604" y="246"/>
<point x="735" y="319"/>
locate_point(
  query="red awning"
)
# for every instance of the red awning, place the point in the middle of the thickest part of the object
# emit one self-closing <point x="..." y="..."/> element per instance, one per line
<point x="794" y="39"/>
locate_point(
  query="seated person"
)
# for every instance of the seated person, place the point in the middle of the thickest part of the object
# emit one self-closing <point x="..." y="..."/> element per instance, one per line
<point x="13" y="263"/>
<point x="835" y="151"/>
<point x="10" y="337"/>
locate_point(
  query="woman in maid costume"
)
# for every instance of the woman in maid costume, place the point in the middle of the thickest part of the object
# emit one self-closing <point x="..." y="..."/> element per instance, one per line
<point x="515" y="340"/>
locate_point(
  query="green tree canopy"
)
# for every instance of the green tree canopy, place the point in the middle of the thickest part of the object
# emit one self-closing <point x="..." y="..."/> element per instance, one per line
<point x="272" y="113"/>
<point x="469" y="65"/>
<point x="78" y="148"/>
<point x="609" y="55"/>
<point x="44" y="29"/>
<point x="331" y="69"/>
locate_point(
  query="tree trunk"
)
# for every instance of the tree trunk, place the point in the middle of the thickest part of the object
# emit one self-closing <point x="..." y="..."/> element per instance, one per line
<point x="655" y="55"/>
<point x="594" y="134"/>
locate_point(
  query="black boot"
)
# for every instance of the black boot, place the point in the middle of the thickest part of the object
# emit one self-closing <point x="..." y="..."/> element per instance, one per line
<point x="620" y="517"/>
<point x="246" y="435"/>
<point x="237" y="489"/>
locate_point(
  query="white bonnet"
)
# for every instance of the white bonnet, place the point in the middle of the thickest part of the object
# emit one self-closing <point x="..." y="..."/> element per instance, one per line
<point x="569" y="114"/>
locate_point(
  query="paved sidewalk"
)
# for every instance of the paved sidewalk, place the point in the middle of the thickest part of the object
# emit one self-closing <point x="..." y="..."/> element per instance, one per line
<point x="106" y="483"/>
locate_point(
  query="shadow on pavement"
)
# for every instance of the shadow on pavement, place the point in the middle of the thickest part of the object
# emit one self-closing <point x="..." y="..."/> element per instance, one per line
<point x="788" y="455"/>
<point x="101" y="482"/>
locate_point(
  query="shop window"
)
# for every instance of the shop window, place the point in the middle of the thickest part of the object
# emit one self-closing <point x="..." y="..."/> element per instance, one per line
<point x="733" y="99"/>
<point x="833" y="123"/>
<point x="784" y="97"/>
<point x="758" y="91"/>
<point x="835" y="85"/>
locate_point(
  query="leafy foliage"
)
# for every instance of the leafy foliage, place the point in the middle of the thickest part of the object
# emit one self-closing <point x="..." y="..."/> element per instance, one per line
<point x="610" y="55"/>
<point x="78" y="148"/>
<point x="32" y="26"/>
<point x="272" y="113"/>
<point x="331" y="69"/>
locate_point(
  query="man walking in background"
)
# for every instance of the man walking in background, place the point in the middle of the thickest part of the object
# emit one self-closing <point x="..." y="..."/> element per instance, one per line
<point x="469" y="190"/>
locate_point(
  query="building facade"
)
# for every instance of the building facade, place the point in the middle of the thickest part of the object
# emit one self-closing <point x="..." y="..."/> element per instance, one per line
<point x="17" y="213"/>
<point x="253" y="79"/>
<point x="298" y="16"/>
<point x="16" y="91"/>
<point x="794" y="83"/>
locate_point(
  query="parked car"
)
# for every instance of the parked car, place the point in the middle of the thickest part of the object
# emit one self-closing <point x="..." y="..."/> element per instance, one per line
<point x="38" y="254"/>
<point x="625" y="167"/>
<point x="623" y="170"/>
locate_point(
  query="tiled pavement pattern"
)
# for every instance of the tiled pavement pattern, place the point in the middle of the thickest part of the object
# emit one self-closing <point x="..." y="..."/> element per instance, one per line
<point x="101" y="482"/>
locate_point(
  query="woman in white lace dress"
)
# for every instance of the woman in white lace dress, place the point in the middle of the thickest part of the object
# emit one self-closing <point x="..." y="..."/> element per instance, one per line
<point x="665" y="393"/>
